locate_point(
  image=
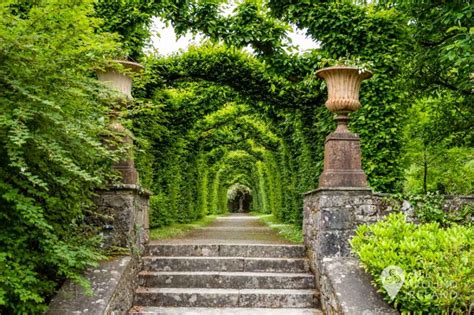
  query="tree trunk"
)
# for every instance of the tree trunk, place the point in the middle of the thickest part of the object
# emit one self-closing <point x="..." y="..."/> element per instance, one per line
<point x="425" y="171"/>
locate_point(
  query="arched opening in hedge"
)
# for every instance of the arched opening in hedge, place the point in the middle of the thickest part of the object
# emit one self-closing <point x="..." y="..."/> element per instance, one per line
<point x="218" y="117"/>
<point x="239" y="198"/>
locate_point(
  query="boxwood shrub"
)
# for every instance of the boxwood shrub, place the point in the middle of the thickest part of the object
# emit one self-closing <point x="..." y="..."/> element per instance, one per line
<point x="437" y="263"/>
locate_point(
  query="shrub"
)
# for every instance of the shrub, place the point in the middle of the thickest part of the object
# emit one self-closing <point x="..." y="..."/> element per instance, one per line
<point x="51" y="155"/>
<point x="437" y="263"/>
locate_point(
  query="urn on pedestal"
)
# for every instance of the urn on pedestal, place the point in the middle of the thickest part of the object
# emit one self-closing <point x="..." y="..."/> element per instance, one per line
<point x="122" y="82"/>
<point x="342" y="156"/>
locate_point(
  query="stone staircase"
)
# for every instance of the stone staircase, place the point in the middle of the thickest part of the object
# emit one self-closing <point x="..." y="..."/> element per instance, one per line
<point x="204" y="275"/>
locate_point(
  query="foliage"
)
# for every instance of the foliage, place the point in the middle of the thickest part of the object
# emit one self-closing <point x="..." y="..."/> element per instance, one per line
<point x="434" y="158"/>
<point x="249" y="25"/>
<point x="429" y="208"/>
<point x="344" y="30"/>
<point x="215" y="117"/>
<point x="350" y="62"/>
<point x="224" y="131"/>
<point x="436" y="263"/>
<point x="443" y="34"/>
<point x="130" y="19"/>
<point x="51" y="155"/>
<point x="439" y="78"/>
<point x="280" y="90"/>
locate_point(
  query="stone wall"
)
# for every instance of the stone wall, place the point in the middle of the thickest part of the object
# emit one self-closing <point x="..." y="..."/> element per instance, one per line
<point x="124" y="220"/>
<point x="124" y="216"/>
<point x="331" y="216"/>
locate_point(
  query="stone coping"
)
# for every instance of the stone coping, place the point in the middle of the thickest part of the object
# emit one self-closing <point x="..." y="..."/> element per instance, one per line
<point x="347" y="289"/>
<point x="375" y="193"/>
<point x="465" y="197"/>
<point x="358" y="190"/>
<point x="131" y="187"/>
<point x="112" y="289"/>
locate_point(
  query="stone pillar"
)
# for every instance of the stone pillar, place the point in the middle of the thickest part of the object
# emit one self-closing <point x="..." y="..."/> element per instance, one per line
<point x="342" y="157"/>
<point x="342" y="200"/>
<point x="331" y="216"/>
<point x="126" y="166"/>
<point x="125" y="205"/>
<point x="122" y="82"/>
<point x="329" y="211"/>
<point x="125" y="209"/>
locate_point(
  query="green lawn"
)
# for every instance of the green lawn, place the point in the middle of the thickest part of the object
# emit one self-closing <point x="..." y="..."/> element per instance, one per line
<point x="287" y="231"/>
<point x="179" y="229"/>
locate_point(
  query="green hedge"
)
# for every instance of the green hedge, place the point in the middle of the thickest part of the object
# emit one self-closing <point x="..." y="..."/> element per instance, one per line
<point x="437" y="263"/>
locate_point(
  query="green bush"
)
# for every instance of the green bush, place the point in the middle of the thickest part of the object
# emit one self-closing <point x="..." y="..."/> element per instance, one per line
<point x="52" y="120"/>
<point x="437" y="263"/>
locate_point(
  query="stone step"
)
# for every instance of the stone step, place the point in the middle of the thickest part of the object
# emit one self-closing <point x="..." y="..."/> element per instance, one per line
<point x="243" y="237"/>
<point x="234" y="229"/>
<point x="250" y="264"/>
<point x="226" y="280"/>
<point x="227" y="250"/>
<point x="200" y="297"/>
<point x="222" y="311"/>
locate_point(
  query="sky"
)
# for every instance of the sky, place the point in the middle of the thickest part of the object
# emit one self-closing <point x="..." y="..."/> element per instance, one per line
<point x="164" y="41"/>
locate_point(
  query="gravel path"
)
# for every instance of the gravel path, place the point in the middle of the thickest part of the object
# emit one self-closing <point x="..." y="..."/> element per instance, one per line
<point x="231" y="229"/>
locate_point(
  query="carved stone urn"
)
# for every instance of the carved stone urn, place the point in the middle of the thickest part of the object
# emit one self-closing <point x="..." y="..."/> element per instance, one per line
<point x="122" y="82"/>
<point x="342" y="156"/>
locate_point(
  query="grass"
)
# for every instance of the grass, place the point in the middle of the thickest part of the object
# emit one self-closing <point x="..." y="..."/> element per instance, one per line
<point x="289" y="232"/>
<point x="178" y="229"/>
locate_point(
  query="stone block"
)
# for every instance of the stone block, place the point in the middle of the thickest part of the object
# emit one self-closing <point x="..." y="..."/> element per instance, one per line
<point x="290" y="251"/>
<point x="348" y="289"/>
<point x="182" y="250"/>
<point x="223" y="311"/>
<point x="112" y="290"/>
<point x="334" y="244"/>
<point x="334" y="219"/>
<point x="201" y="297"/>
<point x="126" y="208"/>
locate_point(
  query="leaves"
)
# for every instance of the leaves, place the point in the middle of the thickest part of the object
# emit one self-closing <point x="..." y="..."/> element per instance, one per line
<point x="51" y="155"/>
<point x="435" y="262"/>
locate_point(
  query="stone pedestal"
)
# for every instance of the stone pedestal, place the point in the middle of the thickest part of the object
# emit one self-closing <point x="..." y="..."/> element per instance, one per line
<point x="121" y="81"/>
<point x="126" y="166"/>
<point x="342" y="159"/>
<point x="125" y="208"/>
<point x="331" y="216"/>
